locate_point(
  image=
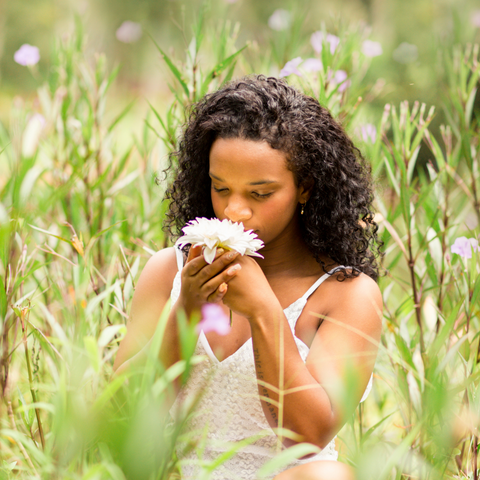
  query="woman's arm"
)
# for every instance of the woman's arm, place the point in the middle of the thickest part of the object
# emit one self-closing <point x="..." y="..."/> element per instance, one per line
<point x="316" y="409"/>
<point x="201" y="282"/>
<point x="151" y="295"/>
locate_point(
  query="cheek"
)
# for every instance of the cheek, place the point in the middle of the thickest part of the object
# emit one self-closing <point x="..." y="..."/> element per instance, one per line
<point x="216" y="204"/>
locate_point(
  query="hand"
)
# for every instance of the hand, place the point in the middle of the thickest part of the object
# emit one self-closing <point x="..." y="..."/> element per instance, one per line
<point x="249" y="292"/>
<point x="202" y="282"/>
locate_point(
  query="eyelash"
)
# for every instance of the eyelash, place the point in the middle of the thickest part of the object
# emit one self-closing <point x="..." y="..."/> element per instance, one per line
<point x="255" y="194"/>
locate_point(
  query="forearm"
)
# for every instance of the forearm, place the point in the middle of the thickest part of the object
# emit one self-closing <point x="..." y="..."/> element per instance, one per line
<point x="286" y="387"/>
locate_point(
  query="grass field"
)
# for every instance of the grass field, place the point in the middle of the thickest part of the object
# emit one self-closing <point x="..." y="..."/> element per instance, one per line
<point x="81" y="213"/>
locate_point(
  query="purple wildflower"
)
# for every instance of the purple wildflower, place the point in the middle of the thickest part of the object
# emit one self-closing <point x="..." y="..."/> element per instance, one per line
<point x="368" y="133"/>
<point x="312" y="65"/>
<point x="280" y="20"/>
<point x="214" y="319"/>
<point x="291" y="67"/>
<point x="27" y="55"/>
<point x="129" y="32"/>
<point x="463" y="246"/>
<point x="340" y="79"/>
<point x="319" y="37"/>
<point x="371" y="48"/>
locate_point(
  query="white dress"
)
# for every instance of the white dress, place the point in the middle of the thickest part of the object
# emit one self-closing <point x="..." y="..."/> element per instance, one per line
<point x="230" y="410"/>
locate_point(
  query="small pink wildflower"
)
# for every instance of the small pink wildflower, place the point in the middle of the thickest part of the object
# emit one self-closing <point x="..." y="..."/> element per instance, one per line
<point x="312" y="65"/>
<point x="318" y="38"/>
<point x="463" y="246"/>
<point x="368" y="133"/>
<point x="291" y="67"/>
<point x="340" y="79"/>
<point x="129" y="32"/>
<point x="27" y="55"/>
<point x="214" y="319"/>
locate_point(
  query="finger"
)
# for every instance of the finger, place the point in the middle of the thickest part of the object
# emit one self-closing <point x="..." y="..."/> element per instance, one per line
<point x="218" y="294"/>
<point x="196" y="262"/>
<point x="194" y="252"/>
<point x="218" y="265"/>
<point x="224" y="277"/>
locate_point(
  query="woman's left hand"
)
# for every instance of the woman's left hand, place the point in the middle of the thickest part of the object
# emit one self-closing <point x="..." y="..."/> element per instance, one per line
<point x="249" y="291"/>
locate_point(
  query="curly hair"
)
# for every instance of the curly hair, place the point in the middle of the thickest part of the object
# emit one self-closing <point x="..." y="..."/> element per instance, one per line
<point x="338" y="220"/>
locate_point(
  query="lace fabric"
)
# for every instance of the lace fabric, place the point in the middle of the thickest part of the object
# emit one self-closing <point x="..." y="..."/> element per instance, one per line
<point x="230" y="410"/>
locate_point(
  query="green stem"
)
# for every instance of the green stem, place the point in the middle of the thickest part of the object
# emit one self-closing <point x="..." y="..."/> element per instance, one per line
<point x="30" y="381"/>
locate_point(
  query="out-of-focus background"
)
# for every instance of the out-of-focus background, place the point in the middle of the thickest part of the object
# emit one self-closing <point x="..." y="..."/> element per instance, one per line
<point x="411" y="33"/>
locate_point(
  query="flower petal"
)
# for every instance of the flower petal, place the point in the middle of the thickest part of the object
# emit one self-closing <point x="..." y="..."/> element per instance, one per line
<point x="214" y="319"/>
<point x="209" y="254"/>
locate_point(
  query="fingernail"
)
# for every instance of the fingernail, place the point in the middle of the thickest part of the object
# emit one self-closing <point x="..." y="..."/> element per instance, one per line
<point x="220" y="251"/>
<point x="222" y="288"/>
<point x="231" y="255"/>
<point x="233" y="269"/>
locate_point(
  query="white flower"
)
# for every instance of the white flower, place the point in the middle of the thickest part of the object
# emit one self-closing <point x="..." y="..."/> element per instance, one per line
<point x="214" y="233"/>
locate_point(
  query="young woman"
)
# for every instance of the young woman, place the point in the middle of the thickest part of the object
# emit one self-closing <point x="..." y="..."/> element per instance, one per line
<point x="306" y="317"/>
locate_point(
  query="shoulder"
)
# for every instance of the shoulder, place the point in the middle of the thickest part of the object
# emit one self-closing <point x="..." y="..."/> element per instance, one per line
<point x="158" y="274"/>
<point x="355" y="300"/>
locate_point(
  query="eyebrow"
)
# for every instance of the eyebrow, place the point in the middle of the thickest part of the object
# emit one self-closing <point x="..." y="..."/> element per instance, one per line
<point x="259" y="182"/>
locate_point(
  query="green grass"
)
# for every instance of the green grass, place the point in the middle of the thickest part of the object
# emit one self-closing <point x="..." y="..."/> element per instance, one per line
<point x="80" y="214"/>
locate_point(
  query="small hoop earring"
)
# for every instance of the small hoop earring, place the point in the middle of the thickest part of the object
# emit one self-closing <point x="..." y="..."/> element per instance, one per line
<point x="302" y="210"/>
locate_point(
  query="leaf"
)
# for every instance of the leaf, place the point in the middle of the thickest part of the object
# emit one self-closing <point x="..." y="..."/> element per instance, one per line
<point x="285" y="457"/>
<point x="121" y="115"/>
<point x="50" y="233"/>
<point x="122" y="183"/>
<point x="217" y="70"/>
<point x="109" y="333"/>
<point x="26" y="417"/>
<point x="3" y="299"/>
<point x="173" y="68"/>
<point x="476" y="291"/>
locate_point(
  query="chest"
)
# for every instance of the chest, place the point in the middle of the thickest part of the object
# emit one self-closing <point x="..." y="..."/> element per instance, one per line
<point x="297" y="313"/>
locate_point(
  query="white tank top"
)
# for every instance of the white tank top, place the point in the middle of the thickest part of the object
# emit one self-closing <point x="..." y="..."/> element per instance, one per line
<point x="229" y="410"/>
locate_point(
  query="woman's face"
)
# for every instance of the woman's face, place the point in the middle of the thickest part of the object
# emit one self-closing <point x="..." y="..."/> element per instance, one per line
<point x="252" y="184"/>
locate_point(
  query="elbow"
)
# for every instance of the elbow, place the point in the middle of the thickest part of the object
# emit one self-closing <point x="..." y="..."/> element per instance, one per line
<point x="318" y="437"/>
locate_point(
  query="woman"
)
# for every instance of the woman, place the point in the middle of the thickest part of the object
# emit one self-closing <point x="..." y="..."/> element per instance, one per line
<point x="307" y="315"/>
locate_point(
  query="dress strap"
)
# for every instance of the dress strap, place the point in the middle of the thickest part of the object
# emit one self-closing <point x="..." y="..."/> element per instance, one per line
<point x="320" y="281"/>
<point x="179" y="255"/>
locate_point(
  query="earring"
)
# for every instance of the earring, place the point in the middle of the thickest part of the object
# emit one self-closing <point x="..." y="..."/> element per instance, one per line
<point x="302" y="210"/>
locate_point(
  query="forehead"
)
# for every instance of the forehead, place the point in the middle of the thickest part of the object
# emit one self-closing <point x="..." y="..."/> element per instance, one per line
<point x="241" y="158"/>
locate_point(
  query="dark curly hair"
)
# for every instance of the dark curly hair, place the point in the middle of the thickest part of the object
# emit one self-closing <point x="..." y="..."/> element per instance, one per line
<point x="338" y="221"/>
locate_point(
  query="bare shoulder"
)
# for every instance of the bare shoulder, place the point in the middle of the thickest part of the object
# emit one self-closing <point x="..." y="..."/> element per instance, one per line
<point x="159" y="272"/>
<point x="354" y="299"/>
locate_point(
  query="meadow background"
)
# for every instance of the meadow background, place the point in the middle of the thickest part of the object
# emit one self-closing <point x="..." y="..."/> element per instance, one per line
<point x="84" y="135"/>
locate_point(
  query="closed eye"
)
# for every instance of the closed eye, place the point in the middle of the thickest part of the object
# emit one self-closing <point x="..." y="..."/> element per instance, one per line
<point x="261" y="195"/>
<point x="218" y="190"/>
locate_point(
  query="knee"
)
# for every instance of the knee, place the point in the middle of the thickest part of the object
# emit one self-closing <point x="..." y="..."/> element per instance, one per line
<point x="320" y="470"/>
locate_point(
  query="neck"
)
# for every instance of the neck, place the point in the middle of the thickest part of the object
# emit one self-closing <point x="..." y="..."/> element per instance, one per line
<point x="286" y="253"/>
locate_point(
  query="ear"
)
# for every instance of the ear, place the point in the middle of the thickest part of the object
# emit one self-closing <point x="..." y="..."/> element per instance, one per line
<point x="305" y="191"/>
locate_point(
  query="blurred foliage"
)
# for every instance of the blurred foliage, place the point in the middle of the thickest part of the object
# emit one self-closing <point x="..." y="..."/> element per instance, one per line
<point x="428" y="25"/>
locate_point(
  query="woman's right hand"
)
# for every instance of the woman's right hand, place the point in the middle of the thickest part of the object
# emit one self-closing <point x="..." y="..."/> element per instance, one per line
<point x="204" y="283"/>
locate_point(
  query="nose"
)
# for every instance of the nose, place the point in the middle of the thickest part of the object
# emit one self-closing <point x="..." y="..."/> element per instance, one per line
<point x="237" y="210"/>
